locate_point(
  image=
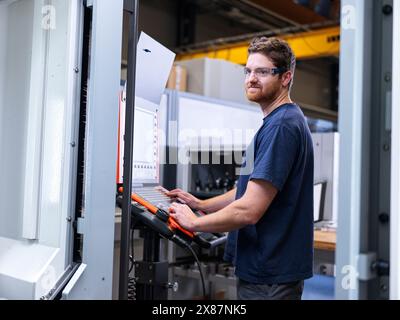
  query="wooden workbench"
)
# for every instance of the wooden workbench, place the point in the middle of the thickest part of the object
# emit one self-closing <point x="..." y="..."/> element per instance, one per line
<point x="325" y="240"/>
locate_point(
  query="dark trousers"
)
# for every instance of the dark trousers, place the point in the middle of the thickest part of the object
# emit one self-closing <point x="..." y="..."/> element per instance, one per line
<point x="281" y="291"/>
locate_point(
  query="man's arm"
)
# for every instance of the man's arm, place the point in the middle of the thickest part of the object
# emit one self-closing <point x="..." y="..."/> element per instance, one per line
<point x="217" y="203"/>
<point x="244" y="211"/>
<point x="209" y="205"/>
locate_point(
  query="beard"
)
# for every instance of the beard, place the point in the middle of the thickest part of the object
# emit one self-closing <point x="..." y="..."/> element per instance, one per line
<point x="256" y="94"/>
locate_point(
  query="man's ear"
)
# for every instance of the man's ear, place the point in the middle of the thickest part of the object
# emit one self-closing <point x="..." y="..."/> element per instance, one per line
<point x="286" y="78"/>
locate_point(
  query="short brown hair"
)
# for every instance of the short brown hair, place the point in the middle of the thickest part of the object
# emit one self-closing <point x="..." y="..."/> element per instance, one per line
<point x="278" y="51"/>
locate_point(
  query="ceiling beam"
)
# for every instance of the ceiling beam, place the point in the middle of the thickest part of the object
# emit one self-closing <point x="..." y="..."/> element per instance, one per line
<point x="306" y="45"/>
<point x="291" y="10"/>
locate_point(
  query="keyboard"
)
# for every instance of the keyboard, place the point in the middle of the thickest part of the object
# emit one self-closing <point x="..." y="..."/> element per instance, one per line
<point x="155" y="196"/>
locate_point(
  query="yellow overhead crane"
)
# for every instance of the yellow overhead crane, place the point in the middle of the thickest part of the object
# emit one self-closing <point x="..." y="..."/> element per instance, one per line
<point x="306" y="45"/>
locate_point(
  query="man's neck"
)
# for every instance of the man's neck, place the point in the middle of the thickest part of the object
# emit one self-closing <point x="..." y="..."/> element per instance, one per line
<point x="268" y="107"/>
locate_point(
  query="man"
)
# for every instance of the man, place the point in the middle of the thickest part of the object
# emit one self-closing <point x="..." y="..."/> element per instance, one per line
<point x="270" y="214"/>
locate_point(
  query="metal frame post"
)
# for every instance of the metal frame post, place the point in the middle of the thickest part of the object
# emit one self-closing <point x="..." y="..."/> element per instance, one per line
<point x="395" y="169"/>
<point x="132" y="7"/>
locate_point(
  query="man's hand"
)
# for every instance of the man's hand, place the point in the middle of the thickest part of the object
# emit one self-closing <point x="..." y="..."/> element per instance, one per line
<point x="185" y="198"/>
<point x="183" y="215"/>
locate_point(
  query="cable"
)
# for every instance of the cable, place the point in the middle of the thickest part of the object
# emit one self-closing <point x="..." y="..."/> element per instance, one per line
<point x="201" y="272"/>
<point x="131" y="279"/>
<point x="183" y="243"/>
<point x="131" y="288"/>
<point x="131" y="262"/>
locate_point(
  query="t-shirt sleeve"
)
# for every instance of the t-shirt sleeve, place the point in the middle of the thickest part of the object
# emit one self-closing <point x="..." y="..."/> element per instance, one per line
<point x="275" y="154"/>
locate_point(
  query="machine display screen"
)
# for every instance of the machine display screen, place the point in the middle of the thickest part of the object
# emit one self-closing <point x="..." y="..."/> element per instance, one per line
<point x="145" y="155"/>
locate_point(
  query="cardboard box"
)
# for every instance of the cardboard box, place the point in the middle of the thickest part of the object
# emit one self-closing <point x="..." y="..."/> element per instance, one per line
<point x="178" y="78"/>
<point x="216" y="78"/>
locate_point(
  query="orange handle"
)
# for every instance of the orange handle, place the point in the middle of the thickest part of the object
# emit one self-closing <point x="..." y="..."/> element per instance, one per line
<point x="176" y="225"/>
<point x="141" y="201"/>
<point x="144" y="203"/>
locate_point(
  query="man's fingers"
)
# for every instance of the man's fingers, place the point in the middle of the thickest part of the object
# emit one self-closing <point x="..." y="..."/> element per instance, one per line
<point x="160" y="188"/>
<point x="175" y="206"/>
<point x="175" y="191"/>
<point x="172" y="194"/>
<point x="180" y="196"/>
<point x="181" y="200"/>
<point x="184" y="196"/>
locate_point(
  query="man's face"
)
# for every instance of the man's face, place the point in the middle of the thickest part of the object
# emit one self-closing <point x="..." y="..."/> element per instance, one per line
<point x="262" y="87"/>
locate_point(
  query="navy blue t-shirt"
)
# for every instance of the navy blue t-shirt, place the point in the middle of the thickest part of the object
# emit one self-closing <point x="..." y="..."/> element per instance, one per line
<point x="279" y="247"/>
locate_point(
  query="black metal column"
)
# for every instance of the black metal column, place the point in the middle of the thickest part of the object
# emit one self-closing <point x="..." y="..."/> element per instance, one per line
<point x="131" y="6"/>
<point x="152" y="274"/>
